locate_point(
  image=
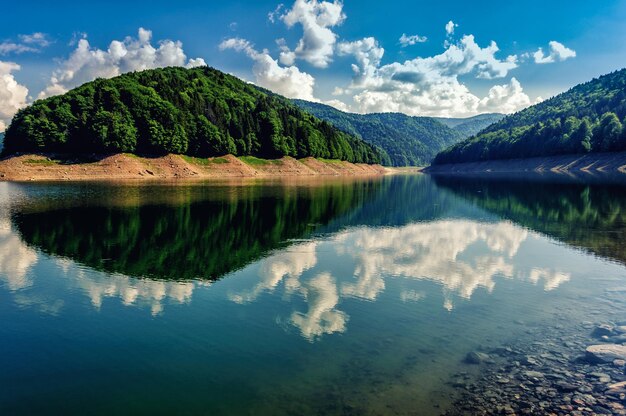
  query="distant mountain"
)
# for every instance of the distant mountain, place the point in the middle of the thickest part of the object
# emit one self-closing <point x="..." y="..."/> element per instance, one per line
<point x="409" y="141"/>
<point x="472" y="125"/>
<point x="199" y="112"/>
<point x="1" y="141"/>
<point x="587" y="118"/>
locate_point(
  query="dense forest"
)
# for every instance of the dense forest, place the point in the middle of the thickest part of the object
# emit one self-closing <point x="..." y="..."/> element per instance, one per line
<point x="471" y="125"/>
<point x="409" y="141"/>
<point x="200" y="112"/>
<point x="587" y="118"/>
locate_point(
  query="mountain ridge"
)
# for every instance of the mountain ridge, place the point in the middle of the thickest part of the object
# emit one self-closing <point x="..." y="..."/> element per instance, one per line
<point x="197" y="112"/>
<point x="585" y="119"/>
<point x="408" y="140"/>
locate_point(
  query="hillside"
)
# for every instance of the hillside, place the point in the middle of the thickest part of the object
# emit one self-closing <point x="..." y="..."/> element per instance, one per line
<point x="587" y="118"/>
<point x="409" y="141"/>
<point x="471" y="125"/>
<point x="1" y="141"/>
<point x="199" y="112"/>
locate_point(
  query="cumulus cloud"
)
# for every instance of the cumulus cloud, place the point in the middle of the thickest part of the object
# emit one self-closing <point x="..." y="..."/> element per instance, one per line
<point x="506" y="98"/>
<point x="318" y="40"/>
<point x="285" y="80"/>
<point x="411" y="40"/>
<point x="430" y="86"/>
<point x="131" y="54"/>
<point x="12" y="94"/>
<point x="558" y="52"/>
<point x="368" y="54"/>
<point x="450" y="26"/>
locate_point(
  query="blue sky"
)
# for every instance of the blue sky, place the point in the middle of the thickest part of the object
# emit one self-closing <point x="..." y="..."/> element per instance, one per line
<point x="347" y="54"/>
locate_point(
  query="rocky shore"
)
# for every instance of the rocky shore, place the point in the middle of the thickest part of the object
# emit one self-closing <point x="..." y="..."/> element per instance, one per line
<point x="562" y="370"/>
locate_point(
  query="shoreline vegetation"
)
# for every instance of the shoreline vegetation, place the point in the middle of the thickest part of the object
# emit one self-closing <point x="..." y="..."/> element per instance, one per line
<point x="590" y="163"/>
<point x="125" y="166"/>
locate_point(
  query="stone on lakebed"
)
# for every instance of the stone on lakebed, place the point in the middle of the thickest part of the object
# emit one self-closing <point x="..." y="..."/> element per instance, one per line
<point x="606" y="353"/>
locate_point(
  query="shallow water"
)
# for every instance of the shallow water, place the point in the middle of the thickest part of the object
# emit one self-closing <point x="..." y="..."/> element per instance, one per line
<point x="356" y="296"/>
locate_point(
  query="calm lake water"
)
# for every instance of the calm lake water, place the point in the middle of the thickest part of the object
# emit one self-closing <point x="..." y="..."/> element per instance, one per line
<point x="340" y="296"/>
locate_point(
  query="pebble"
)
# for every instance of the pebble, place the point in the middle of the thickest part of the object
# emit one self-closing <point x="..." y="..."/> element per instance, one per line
<point x="559" y="377"/>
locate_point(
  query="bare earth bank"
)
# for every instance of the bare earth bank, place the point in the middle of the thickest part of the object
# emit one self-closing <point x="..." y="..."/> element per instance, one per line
<point x="126" y="166"/>
<point x="588" y="163"/>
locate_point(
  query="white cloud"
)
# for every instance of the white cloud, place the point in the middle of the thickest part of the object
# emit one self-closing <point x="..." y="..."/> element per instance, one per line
<point x="318" y="40"/>
<point x="368" y="55"/>
<point x="558" y="52"/>
<point x="288" y="81"/>
<point x="450" y="26"/>
<point x="27" y="43"/>
<point x="271" y="16"/>
<point x="38" y="38"/>
<point x="12" y="94"/>
<point x="411" y="40"/>
<point x="430" y="86"/>
<point x="132" y="54"/>
<point x="506" y="98"/>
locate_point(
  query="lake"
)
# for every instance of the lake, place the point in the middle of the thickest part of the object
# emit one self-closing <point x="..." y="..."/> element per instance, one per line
<point x="296" y="297"/>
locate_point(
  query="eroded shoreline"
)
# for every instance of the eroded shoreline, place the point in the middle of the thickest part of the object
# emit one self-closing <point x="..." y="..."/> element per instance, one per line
<point x="589" y="164"/>
<point x="44" y="167"/>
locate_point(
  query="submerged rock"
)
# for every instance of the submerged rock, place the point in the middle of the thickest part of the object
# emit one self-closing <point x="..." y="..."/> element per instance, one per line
<point x="602" y="330"/>
<point x="476" y="357"/>
<point x="606" y="353"/>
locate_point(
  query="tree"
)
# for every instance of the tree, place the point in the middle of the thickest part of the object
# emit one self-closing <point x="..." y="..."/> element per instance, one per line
<point x="609" y="131"/>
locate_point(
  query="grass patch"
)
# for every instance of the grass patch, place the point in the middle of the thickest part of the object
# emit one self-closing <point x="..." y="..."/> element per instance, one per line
<point x="204" y="161"/>
<point x="333" y="161"/>
<point x="255" y="161"/>
<point x="219" y="160"/>
<point x="42" y="162"/>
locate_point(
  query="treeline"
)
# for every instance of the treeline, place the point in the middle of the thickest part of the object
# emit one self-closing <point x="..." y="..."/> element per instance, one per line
<point x="199" y="112"/>
<point x="409" y="141"/>
<point x="588" y="118"/>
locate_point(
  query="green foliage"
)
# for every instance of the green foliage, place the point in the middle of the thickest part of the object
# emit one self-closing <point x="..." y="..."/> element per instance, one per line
<point x="471" y="125"/>
<point x="583" y="119"/>
<point x="198" y="112"/>
<point x="409" y="141"/>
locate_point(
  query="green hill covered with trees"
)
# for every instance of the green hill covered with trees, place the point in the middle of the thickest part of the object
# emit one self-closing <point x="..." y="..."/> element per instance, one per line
<point x="471" y="125"/>
<point x="200" y="112"/>
<point x="409" y="141"/>
<point x="587" y="118"/>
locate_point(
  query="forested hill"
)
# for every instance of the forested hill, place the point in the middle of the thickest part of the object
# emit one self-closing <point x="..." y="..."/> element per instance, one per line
<point x="471" y="125"/>
<point x="200" y="112"/>
<point x="587" y="118"/>
<point x="1" y="141"/>
<point x="409" y="141"/>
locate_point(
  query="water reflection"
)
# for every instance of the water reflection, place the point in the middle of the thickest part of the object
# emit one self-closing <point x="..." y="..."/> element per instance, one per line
<point x="460" y="256"/>
<point x="315" y="247"/>
<point x="16" y="259"/>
